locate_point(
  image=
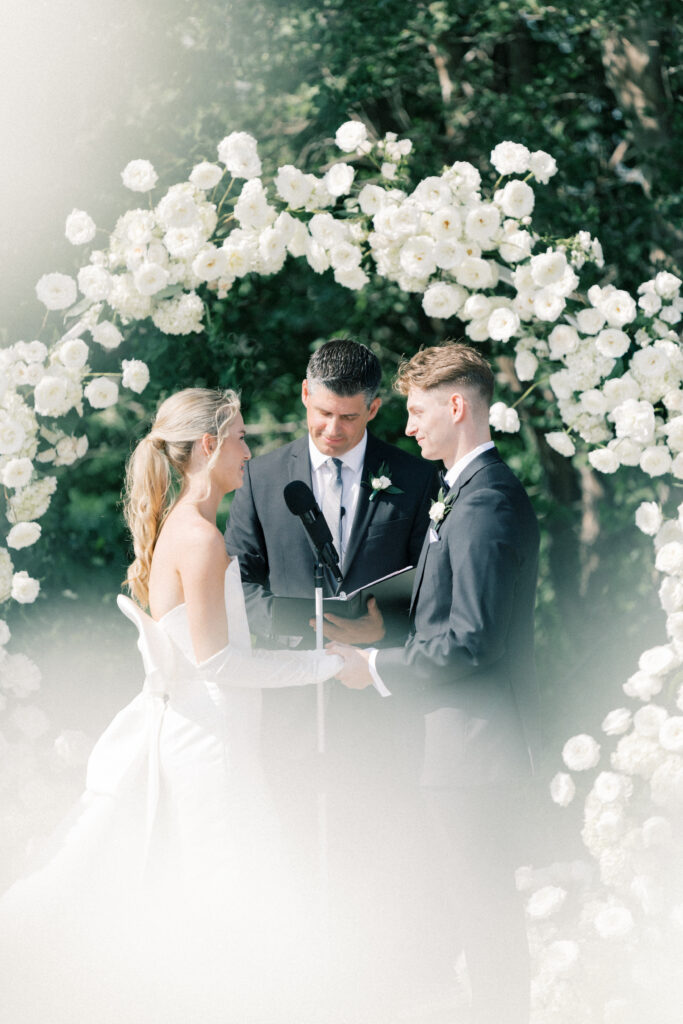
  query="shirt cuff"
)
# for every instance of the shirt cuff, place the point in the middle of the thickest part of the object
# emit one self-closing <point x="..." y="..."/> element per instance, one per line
<point x="376" y="678"/>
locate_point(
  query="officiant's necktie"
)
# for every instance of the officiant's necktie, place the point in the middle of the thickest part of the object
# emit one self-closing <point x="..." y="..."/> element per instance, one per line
<point x="332" y="502"/>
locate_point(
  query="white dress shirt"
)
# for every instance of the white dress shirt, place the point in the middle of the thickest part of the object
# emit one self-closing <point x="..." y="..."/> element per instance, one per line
<point x="352" y="470"/>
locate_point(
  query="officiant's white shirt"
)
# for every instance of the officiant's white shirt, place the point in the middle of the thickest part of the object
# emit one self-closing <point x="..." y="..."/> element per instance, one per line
<point x="352" y="470"/>
<point x="450" y="478"/>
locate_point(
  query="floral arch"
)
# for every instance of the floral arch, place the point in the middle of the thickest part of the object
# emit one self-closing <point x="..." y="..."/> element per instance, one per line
<point x="612" y="362"/>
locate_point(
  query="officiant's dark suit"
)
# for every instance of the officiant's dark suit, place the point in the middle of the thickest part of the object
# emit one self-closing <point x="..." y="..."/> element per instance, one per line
<point x="467" y="672"/>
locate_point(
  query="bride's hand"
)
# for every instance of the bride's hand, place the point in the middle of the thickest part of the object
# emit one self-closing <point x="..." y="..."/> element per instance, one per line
<point x="368" y="629"/>
<point x="355" y="674"/>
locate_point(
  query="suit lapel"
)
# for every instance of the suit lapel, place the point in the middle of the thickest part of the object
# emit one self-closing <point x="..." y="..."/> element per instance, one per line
<point x="451" y="496"/>
<point x="300" y="463"/>
<point x="365" y="509"/>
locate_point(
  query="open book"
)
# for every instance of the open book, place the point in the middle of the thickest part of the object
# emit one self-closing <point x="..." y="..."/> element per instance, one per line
<point x="291" y="615"/>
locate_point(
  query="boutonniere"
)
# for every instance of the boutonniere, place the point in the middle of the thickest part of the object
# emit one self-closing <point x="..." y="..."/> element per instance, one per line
<point x="381" y="482"/>
<point x="440" y="508"/>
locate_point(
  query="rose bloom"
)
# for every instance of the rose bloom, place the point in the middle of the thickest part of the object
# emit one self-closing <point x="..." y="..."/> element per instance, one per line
<point x="350" y="136"/>
<point x="339" y="179"/>
<point x="139" y="176"/>
<point x="642" y="686"/>
<point x="239" y="154"/>
<point x="526" y="363"/>
<point x="417" y="256"/>
<point x="482" y="222"/>
<point x="502" y="324"/>
<point x="545" y="902"/>
<point x="616" y="722"/>
<point x="445" y="223"/>
<point x="548" y="305"/>
<point x="442" y="300"/>
<point x="656" y="460"/>
<point x="548" y="268"/>
<point x="515" y="246"/>
<point x="516" y="199"/>
<point x="561" y="443"/>
<point x="666" y="783"/>
<point x="51" y="396"/>
<point x="94" y="282"/>
<point x="80" y="228"/>
<point x="24" y="588"/>
<point x="581" y="752"/>
<point x="619" y="308"/>
<point x="150" y="278"/>
<point x="295" y="187"/>
<point x="101" y="392"/>
<point x="635" y="420"/>
<point x="670" y="733"/>
<point x="205" y="175"/>
<point x="474" y="272"/>
<point x="106" y="334"/>
<point x="17" y="473"/>
<point x="562" y="789"/>
<point x="604" y="460"/>
<point x="503" y="418"/>
<point x="612" y="342"/>
<point x="135" y="375"/>
<point x="209" y="264"/>
<point x="611" y="786"/>
<point x="436" y="511"/>
<point x="542" y="165"/>
<point x="22" y="535"/>
<point x="73" y="354"/>
<point x="649" y="719"/>
<point x="563" y="339"/>
<point x="510" y="158"/>
<point x="56" y="291"/>
<point x="648" y="517"/>
<point x="614" y="922"/>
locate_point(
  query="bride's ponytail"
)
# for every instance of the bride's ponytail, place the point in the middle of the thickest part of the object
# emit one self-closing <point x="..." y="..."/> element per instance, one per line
<point x="156" y="469"/>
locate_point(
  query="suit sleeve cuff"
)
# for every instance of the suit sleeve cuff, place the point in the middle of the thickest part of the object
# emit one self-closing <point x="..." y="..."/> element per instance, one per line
<point x="376" y="678"/>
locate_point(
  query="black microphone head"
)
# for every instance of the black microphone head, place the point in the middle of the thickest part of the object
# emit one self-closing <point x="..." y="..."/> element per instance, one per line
<point x="299" y="498"/>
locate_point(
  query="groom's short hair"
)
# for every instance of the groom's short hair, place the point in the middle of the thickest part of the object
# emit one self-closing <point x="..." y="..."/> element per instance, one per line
<point x="451" y="364"/>
<point x="346" y="368"/>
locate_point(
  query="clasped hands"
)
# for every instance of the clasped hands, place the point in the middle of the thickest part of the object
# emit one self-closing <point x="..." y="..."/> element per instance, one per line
<point x="367" y="629"/>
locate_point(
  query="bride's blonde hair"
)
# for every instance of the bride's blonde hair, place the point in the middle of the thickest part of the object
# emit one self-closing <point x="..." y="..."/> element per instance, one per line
<point x="156" y="470"/>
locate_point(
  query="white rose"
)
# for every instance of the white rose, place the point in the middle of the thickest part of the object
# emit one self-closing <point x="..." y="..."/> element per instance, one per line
<point x="338" y="179"/>
<point x="442" y="300"/>
<point x="561" y="443"/>
<point x="482" y="222"/>
<point x="205" y="176"/>
<point x="24" y="588"/>
<point x="604" y="460"/>
<point x="545" y="902"/>
<point x="613" y="922"/>
<point x="139" y="176"/>
<point x="150" y="278"/>
<point x="649" y="517"/>
<point x="562" y="340"/>
<point x="238" y="151"/>
<point x="474" y="273"/>
<point x="526" y="364"/>
<point x="73" y="354"/>
<point x="562" y="789"/>
<point x="619" y="308"/>
<point x="581" y="753"/>
<point x="295" y="187"/>
<point x="667" y="284"/>
<point x="611" y="786"/>
<point x="52" y="396"/>
<point x="106" y="334"/>
<point x="135" y="375"/>
<point x="56" y="291"/>
<point x="515" y="246"/>
<point x="101" y="392"/>
<point x="437" y="511"/>
<point x="432" y="193"/>
<point x="209" y="264"/>
<point x="22" y="535"/>
<point x="503" y="323"/>
<point x="542" y="165"/>
<point x="548" y="268"/>
<point x="445" y="223"/>
<point x="671" y="733"/>
<point x="503" y="418"/>
<point x="12" y="437"/>
<point x="590" y="320"/>
<point x="80" y="228"/>
<point x="417" y="257"/>
<point x="510" y="158"/>
<point x="178" y="209"/>
<point x="648" y="720"/>
<point x="17" y="473"/>
<point x="612" y="342"/>
<point x="516" y="199"/>
<point x="616" y="722"/>
<point x="642" y="686"/>
<point x="659" y="660"/>
<point x="635" y="420"/>
<point x="656" y="460"/>
<point x="351" y="136"/>
<point x="94" y="282"/>
<point x="548" y="305"/>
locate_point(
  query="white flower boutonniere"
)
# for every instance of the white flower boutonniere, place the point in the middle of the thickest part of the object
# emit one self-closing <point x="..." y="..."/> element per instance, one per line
<point x="439" y="509"/>
<point x="381" y="482"/>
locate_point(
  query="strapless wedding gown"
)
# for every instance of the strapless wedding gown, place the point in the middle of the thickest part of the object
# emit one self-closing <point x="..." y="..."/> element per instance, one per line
<point x="161" y="898"/>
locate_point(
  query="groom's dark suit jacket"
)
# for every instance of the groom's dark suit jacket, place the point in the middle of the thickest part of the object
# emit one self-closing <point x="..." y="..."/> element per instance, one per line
<point x="468" y="665"/>
<point x="276" y="558"/>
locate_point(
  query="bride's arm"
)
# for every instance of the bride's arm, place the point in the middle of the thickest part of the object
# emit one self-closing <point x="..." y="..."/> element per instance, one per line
<point x="202" y="568"/>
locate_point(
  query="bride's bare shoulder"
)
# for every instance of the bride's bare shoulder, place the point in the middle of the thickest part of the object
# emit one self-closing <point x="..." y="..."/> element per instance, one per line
<point x="193" y="538"/>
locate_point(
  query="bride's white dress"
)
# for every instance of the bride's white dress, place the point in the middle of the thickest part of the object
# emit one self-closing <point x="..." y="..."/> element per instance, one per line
<point x="161" y="897"/>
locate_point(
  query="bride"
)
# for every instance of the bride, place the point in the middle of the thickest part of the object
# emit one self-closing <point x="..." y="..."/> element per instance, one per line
<point x="160" y="897"/>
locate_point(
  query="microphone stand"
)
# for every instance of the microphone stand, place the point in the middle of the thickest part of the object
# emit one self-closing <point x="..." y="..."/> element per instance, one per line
<point x="322" y="788"/>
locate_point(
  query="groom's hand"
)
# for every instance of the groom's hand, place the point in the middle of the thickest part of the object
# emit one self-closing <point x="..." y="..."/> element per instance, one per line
<point x="355" y="674"/>
<point x="367" y="629"/>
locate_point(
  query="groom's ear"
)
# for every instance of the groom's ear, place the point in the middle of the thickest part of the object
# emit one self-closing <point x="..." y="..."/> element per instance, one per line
<point x="456" y="403"/>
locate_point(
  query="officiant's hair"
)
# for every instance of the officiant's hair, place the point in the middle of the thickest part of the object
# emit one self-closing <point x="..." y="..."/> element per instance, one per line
<point x="346" y="368"/>
<point x="158" y="464"/>
<point x="453" y="363"/>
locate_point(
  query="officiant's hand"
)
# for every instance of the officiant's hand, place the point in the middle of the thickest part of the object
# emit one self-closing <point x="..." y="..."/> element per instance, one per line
<point x="367" y="629"/>
<point x="355" y="674"/>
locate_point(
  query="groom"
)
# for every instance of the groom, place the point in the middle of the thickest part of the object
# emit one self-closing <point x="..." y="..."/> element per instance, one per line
<point x="467" y="671"/>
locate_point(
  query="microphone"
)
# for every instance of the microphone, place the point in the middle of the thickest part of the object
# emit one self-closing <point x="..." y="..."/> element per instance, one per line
<point x="300" y="502"/>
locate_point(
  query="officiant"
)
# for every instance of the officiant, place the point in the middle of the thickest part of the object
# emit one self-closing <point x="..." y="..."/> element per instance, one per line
<point x="375" y="498"/>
